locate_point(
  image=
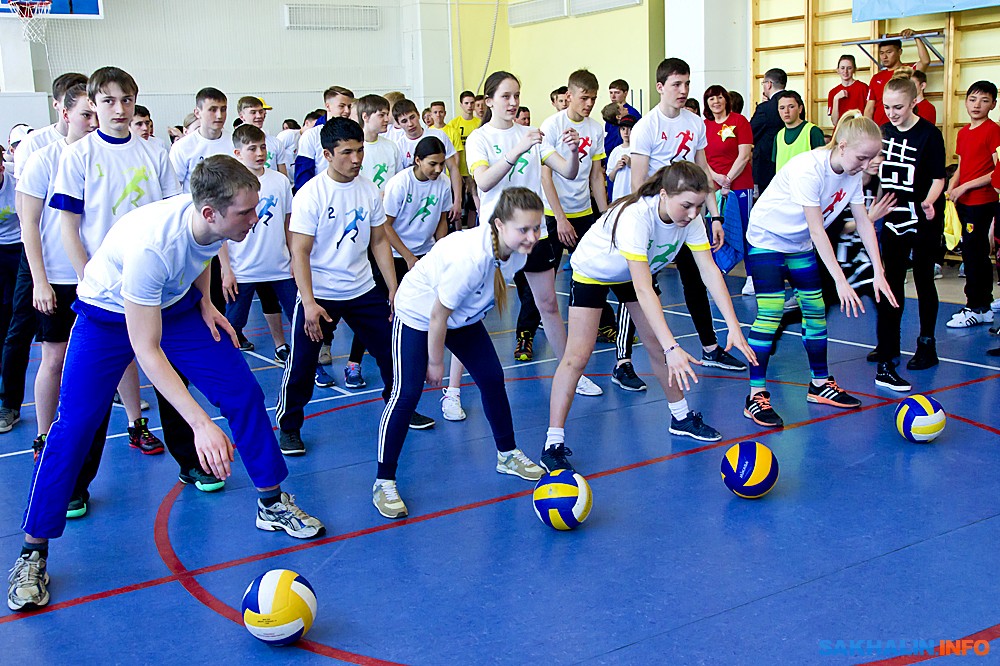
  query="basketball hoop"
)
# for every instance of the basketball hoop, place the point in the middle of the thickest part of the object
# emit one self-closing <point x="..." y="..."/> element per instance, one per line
<point x="33" y="15"/>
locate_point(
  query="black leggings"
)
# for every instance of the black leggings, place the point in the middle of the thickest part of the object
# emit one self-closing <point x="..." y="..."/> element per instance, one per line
<point x="895" y="255"/>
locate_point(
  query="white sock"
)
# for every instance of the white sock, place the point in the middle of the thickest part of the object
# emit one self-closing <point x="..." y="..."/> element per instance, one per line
<point x="453" y="392"/>
<point x="818" y="383"/>
<point x="679" y="409"/>
<point x="709" y="350"/>
<point x="554" y="437"/>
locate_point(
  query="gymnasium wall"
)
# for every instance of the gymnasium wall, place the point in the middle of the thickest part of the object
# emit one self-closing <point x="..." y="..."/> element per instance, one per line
<point x="472" y="30"/>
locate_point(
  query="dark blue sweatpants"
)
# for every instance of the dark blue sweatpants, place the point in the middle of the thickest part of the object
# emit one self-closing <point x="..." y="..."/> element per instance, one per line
<point x="368" y="317"/>
<point x="474" y="348"/>
<point x="98" y="353"/>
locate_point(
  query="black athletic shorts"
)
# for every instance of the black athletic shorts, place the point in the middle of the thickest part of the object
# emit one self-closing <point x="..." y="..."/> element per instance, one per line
<point x="542" y="257"/>
<point x="56" y="327"/>
<point x="595" y="296"/>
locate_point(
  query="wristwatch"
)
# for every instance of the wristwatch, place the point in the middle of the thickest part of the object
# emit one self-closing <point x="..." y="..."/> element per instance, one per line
<point x="716" y="218"/>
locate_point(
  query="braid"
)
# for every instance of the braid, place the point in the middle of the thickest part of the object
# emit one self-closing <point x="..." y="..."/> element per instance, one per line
<point x="499" y="283"/>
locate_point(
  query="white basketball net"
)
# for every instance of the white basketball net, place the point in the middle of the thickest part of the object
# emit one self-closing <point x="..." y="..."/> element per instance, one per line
<point x="33" y="15"/>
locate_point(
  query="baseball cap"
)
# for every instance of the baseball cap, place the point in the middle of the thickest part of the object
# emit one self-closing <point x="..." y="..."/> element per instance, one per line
<point x="18" y="133"/>
<point x="267" y="107"/>
<point x="627" y="121"/>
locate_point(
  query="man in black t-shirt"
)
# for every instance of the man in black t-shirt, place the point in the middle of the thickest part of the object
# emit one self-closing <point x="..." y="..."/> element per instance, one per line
<point x="914" y="171"/>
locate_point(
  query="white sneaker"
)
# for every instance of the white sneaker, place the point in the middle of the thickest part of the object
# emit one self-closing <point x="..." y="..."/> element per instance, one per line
<point x="325" y="358"/>
<point x="967" y="317"/>
<point x="748" y="287"/>
<point x="587" y="387"/>
<point x="517" y="464"/>
<point x="385" y="497"/>
<point x="451" y="408"/>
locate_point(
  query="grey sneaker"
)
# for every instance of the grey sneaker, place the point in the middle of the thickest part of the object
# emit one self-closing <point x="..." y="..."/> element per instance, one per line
<point x="28" y="579"/>
<point x="385" y="497"/>
<point x="8" y="417"/>
<point x="286" y="515"/>
<point x="516" y="463"/>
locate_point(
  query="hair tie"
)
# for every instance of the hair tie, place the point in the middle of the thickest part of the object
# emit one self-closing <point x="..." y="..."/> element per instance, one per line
<point x="496" y="263"/>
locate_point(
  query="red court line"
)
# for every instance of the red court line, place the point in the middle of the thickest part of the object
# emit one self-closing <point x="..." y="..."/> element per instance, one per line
<point x="975" y="423"/>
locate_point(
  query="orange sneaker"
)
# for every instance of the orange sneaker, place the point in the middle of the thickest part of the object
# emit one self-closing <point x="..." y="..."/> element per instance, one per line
<point x="831" y="394"/>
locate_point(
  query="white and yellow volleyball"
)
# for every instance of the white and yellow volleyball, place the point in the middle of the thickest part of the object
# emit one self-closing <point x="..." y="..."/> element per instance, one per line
<point x="279" y="607"/>
<point x="562" y="499"/>
<point x="920" y="419"/>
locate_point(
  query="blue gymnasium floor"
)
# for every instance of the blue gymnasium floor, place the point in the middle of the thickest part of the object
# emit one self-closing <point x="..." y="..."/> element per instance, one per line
<point x="865" y="537"/>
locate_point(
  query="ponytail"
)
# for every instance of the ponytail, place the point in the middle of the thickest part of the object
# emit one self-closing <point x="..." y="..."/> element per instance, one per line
<point x="512" y="199"/>
<point x="854" y="128"/>
<point x="674" y="179"/>
<point x="493" y="82"/>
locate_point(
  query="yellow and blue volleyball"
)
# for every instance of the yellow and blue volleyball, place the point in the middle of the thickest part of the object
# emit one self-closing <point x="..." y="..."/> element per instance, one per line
<point x="920" y="419"/>
<point x="279" y="607"/>
<point x="749" y="469"/>
<point x="562" y="499"/>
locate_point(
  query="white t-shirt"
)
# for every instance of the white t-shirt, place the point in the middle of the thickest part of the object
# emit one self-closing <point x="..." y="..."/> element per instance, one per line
<point x="276" y="153"/>
<point x="393" y="133"/>
<point x="263" y="255"/>
<point x="408" y="146"/>
<point x="151" y="258"/>
<point x="417" y="207"/>
<point x="188" y="150"/>
<point x="640" y="236"/>
<point x="574" y="195"/>
<point x="487" y="145"/>
<point x="289" y="140"/>
<point x="339" y="217"/>
<point x="667" y="140"/>
<point x="622" y="185"/>
<point x="778" y="221"/>
<point x="311" y="147"/>
<point x="10" y="225"/>
<point x="112" y="179"/>
<point x="37" y="139"/>
<point x="381" y="161"/>
<point x="458" y="271"/>
<point x="38" y="181"/>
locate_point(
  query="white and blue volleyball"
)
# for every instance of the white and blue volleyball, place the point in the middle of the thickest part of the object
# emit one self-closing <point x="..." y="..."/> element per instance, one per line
<point x="279" y="607"/>
<point x="920" y="419"/>
<point x="562" y="499"/>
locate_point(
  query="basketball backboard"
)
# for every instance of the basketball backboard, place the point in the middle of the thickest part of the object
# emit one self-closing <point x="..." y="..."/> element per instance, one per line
<point x="68" y="9"/>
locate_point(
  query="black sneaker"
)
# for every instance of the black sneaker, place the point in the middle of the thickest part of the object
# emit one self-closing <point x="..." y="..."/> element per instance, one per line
<point x="887" y="377"/>
<point x="139" y="437"/>
<point x="323" y="379"/>
<point x="281" y="353"/>
<point x="758" y="409"/>
<point x="607" y="334"/>
<point x="245" y="345"/>
<point x="625" y="377"/>
<point x="720" y="358"/>
<point x="831" y="394"/>
<point x="554" y="457"/>
<point x="693" y="426"/>
<point x="420" y="422"/>
<point x="925" y="356"/>
<point x="37" y="446"/>
<point x="524" y="349"/>
<point x="206" y="483"/>
<point x="77" y="507"/>
<point x="291" y="443"/>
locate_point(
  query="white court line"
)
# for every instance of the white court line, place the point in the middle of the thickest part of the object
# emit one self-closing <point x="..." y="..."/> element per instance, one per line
<point x="264" y="358"/>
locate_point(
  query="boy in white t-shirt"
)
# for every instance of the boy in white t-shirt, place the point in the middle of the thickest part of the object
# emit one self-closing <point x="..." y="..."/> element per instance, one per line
<point x="336" y="217"/>
<point x="136" y="300"/>
<point x="262" y="260"/>
<point x="381" y="161"/>
<point x="252" y="111"/>
<point x="339" y="102"/>
<point x="211" y="138"/>
<point x="43" y="136"/>
<point x="663" y="136"/>
<point x="405" y="113"/>
<point x="620" y="160"/>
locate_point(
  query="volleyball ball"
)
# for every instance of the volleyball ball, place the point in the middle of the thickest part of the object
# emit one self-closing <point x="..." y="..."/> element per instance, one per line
<point x="279" y="607"/>
<point x="562" y="499"/>
<point x="749" y="469"/>
<point x="920" y="419"/>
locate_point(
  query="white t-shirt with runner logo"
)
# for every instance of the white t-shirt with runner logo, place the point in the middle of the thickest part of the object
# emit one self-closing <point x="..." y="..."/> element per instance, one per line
<point x="381" y="161"/>
<point x="151" y="258"/>
<point x="417" y="208"/>
<point x="339" y="217"/>
<point x="458" y="271"/>
<point x="112" y="179"/>
<point x="408" y="146"/>
<point x="10" y="225"/>
<point x="641" y="235"/>
<point x="263" y="255"/>
<point x="36" y="140"/>
<point x="188" y="150"/>
<point x="667" y="140"/>
<point x="574" y="195"/>
<point x="778" y="220"/>
<point x="487" y="145"/>
<point x="38" y="180"/>
<point x="276" y="153"/>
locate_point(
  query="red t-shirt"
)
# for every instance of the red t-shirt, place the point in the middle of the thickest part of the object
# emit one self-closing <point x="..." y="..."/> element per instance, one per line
<point x="926" y="111"/>
<point x="995" y="182"/>
<point x="875" y="88"/>
<point x="857" y="95"/>
<point x="724" y="141"/>
<point x="976" y="147"/>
